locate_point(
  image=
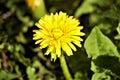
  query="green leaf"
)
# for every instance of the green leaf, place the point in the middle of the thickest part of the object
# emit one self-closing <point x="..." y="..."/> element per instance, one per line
<point x="106" y="27"/>
<point x="107" y="62"/>
<point x="98" y="44"/>
<point x="85" y="8"/>
<point x="21" y="38"/>
<point x="21" y="17"/>
<point x="89" y="6"/>
<point x="118" y="30"/>
<point x="94" y="19"/>
<point x="80" y="76"/>
<point x="31" y="73"/>
<point x="2" y="45"/>
<point x="95" y="68"/>
<point x="101" y="76"/>
<point x="7" y="76"/>
<point x="102" y="3"/>
<point x="112" y="13"/>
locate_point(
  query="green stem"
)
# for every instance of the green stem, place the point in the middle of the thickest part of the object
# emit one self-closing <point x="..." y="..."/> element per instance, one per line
<point x="65" y="68"/>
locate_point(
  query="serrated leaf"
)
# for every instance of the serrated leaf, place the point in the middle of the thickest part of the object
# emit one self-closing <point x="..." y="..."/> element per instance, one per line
<point x="98" y="44"/>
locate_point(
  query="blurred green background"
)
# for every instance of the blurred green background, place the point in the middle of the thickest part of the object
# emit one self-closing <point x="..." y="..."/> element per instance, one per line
<point x="98" y="59"/>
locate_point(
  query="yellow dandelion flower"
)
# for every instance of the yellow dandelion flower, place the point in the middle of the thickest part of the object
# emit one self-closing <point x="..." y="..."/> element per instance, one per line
<point x="58" y="32"/>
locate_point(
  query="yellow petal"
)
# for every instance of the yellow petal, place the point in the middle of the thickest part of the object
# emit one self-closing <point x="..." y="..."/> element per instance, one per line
<point x="50" y="49"/>
<point x="80" y="27"/>
<point x="77" y="43"/>
<point x="36" y="37"/>
<point x="53" y="56"/>
<point x="76" y="38"/>
<point x="72" y="46"/>
<point x="67" y="49"/>
<point x="38" y="41"/>
<point x="82" y="34"/>
<point x="58" y="49"/>
<point x="39" y="26"/>
<point x="44" y="43"/>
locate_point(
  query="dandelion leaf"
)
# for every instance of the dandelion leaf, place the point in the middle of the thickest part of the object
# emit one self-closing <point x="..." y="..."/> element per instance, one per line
<point x="98" y="44"/>
<point x="101" y="76"/>
<point x="108" y="62"/>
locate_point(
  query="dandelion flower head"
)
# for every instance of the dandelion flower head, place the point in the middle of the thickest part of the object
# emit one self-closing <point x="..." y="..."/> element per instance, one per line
<point x="58" y="32"/>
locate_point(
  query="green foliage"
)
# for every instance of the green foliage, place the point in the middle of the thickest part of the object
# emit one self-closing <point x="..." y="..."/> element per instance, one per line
<point x="98" y="44"/>
<point x="80" y="76"/>
<point x="108" y="62"/>
<point x="85" y="8"/>
<point x="104" y="55"/>
<point x="5" y="75"/>
<point x="31" y="73"/>
<point x="118" y="30"/>
<point x="101" y="76"/>
<point x="88" y="6"/>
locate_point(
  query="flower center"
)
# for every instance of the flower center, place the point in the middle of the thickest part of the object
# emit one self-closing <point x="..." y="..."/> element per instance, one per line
<point x="57" y="33"/>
